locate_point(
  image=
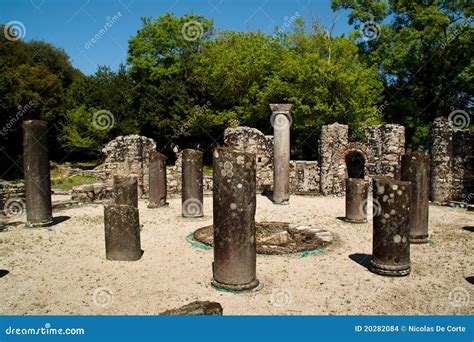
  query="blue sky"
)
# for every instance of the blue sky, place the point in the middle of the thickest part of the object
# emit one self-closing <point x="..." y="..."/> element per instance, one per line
<point x="71" y="24"/>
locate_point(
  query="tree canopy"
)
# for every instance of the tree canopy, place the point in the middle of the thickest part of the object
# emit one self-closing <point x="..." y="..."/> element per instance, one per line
<point x="184" y="81"/>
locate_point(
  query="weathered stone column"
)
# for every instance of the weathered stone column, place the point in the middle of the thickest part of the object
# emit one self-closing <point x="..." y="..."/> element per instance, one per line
<point x="125" y="190"/>
<point x="191" y="185"/>
<point x="39" y="211"/>
<point x="391" y="242"/>
<point x="416" y="169"/>
<point x="157" y="181"/>
<point x="122" y="232"/>
<point x="356" y="200"/>
<point x="281" y="122"/>
<point x="235" y="249"/>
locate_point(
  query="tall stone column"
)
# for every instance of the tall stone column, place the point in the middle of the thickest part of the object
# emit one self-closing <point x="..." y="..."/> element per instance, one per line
<point x="125" y="190"/>
<point x="416" y="169"/>
<point x="281" y="122"/>
<point x="356" y="200"/>
<point x="191" y="187"/>
<point x="391" y="241"/>
<point x="122" y="232"/>
<point x="39" y="211"/>
<point x="157" y="181"/>
<point x="235" y="248"/>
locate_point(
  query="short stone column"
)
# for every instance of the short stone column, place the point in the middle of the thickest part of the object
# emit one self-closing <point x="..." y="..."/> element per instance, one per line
<point x="157" y="181"/>
<point x="125" y="190"/>
<point x="356" y="200"/>
<point x="391" y="241"/>
<point x="416" y="169"/>
<point x="235" y="249"/>
<point x="122" y="232"/>
<point x="39" y="211"/>
<point x="191" y="185"/>
<point x="281" y="122"/>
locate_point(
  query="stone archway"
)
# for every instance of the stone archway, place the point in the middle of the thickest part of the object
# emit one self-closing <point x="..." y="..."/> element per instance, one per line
<point x="355" y="165"/>
<point x="351" y="160"/>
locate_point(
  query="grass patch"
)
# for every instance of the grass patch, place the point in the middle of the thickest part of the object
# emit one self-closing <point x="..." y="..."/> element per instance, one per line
<point x="207" y="170"/>
<point x="67" y="183"/>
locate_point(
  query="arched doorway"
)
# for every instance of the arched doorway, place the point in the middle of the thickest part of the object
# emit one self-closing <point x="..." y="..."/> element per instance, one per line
<point x="355" y="164"/>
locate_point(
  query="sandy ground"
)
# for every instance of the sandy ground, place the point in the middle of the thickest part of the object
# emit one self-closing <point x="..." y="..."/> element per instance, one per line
<point x="63" y="270"/>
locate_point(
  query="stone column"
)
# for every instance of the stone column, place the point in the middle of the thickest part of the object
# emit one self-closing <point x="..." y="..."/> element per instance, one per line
<point x="281" y="122"/>
<point x="191" y="187"/>
<point x="122" y="232"/>
<point x="39" y="211"/>
<point x="391" y="242"/>
<point x="125" y="190"/>
<point x="356" y="200"/>
<point x="416" y="169"/>
<point x="157" y="181"/>
<point x="235" y="248"/>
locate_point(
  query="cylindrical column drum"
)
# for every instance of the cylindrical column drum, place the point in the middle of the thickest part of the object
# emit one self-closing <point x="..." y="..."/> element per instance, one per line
<point x="39" y="211"/>
<point x="356" y="200"/>
<point x="122" y="233"/>
<point x="391" y="241"/>
<point x="416" y="169"/>
<point x="235" y="249"/>
<point x="192" y="178"/>
<point x="157" y="181"/>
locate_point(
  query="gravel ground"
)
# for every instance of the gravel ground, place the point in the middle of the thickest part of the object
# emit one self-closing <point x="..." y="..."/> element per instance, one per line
<point x="63" y="270"/>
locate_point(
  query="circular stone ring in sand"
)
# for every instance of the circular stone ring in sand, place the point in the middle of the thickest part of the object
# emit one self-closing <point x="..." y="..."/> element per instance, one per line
<point x="277" y="237"/>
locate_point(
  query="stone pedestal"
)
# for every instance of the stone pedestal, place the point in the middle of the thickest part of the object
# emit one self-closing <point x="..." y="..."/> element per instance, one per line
<point x="157" y="181"/>
<point x="281" y="122"/>
<point x="416" y="169"/>
<point x="37" y="174"/>
<point x="235" y="250"/>
<point x="391" y="242"/>
<point x="356" y="200"/>
<point x="122" y="232"/>
<point x="192" y="178"/>
<point x="125" y="190"/>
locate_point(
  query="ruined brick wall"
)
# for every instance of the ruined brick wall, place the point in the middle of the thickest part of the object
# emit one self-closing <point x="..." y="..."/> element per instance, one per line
<point x="304" y="175"/>
<point x="332" y="141"/>
<point x="463" y="165"/>
<point x="129" y="155"/>
<point x="386" y="143"/>
<point x="441" y="160"/>
<point x="452" y="155"/>
<point x="251" y="140"/>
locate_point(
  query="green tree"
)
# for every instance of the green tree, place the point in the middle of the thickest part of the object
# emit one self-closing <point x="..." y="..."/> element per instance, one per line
<point x="423" y="51"/>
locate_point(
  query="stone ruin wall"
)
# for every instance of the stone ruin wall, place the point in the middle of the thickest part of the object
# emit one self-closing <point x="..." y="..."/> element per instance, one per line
<point x="452" y="158"/>
<point x="304" y="175"/>
<point x="382" y="153"/>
